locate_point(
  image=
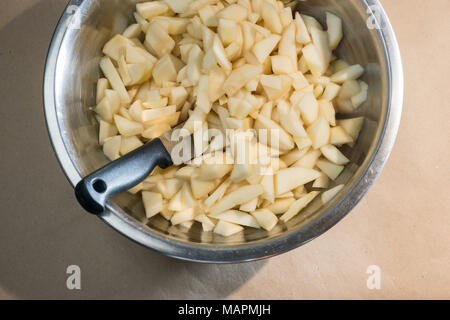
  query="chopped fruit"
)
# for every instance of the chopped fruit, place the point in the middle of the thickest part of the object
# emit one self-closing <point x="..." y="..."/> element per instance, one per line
<point x="237" y="217"/>
<point x="298" y="206"/>
<point x="291" y="178"/>
<point x="259" y="97"/>
<point x="153" y="203"/>
<point x="327" y="196"/>
<point x="265" y="218"/>
<point x="227" y="229"/>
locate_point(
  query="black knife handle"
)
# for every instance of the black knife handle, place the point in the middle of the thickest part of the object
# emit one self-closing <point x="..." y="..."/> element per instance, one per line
<point x="120" y="175"/>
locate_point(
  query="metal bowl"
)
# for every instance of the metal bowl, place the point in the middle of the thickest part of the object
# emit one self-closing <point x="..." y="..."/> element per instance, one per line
<point x="69" y="93"/>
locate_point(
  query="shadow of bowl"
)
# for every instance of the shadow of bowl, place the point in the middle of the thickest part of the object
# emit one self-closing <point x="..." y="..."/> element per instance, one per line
<point x="43" y="229"/>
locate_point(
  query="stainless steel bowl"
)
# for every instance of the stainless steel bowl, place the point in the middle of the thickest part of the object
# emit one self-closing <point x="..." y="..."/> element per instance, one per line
<point x="69" y="93"/>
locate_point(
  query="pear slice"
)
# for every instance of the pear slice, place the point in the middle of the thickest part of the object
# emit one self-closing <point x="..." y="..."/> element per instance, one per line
<point x="183" y="216"/>
<point x="111" y="147"/>
<point x="151" y="9"/>
<point x="299" y="205"/>
<point x="238" y="197"/>
<point x="129" y="144"/>
<point x="271" y="18"/>
<point x="290" y="178"/>
<point x="264" y="48"/>
<point x="237" y="217"/>
<point x="127" y="127"/>
<point x="334" y="29"/>
<point x="330" y="194"/>
<point x="227" y="229"/>
<point x="330" y="169"/>
<point x="334" y="155"/>
<point x="319" y="133"/>
<point x="266" y="218"/>
<point x="153" y="203"/>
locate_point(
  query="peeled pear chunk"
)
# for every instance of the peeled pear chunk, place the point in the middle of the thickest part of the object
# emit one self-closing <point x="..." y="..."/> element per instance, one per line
<point x="255" y="93"/>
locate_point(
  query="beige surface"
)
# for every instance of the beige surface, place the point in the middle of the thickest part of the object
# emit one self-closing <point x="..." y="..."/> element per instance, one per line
<point x="402" y="225"/>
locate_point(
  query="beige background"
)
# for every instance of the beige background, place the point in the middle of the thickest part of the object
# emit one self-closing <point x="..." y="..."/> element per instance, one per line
<point x="402" y="225"/>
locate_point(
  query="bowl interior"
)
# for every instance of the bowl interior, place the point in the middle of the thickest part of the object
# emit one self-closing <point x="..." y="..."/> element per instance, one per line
<point x="77" y="71"/>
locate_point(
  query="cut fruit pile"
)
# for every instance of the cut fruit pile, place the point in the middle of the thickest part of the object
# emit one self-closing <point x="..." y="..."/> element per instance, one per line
<point x="246" y="65"/>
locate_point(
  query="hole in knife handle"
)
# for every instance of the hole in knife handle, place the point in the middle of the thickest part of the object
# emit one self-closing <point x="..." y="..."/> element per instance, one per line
<point x="99" y="186"/>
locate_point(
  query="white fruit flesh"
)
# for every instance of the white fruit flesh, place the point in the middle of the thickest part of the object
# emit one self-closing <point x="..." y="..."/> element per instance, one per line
<point x="291" y="178"/>
<point x="227" y="229"/>
<point x="298" y="206"/>
<point x="330" y="194"/>
<point x="237" y="217"/>
<point x="265" y="218"/>
<point x="248" y="65"/>
<point x="240" y="196"/>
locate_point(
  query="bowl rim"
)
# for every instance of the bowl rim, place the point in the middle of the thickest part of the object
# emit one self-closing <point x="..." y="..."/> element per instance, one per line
<point x="260" y="249"/>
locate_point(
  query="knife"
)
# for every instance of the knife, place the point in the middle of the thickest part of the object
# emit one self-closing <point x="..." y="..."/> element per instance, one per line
<point x="118" y="176"/>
